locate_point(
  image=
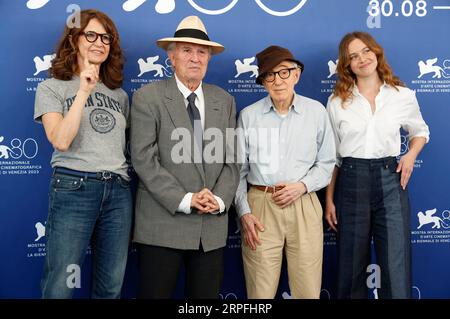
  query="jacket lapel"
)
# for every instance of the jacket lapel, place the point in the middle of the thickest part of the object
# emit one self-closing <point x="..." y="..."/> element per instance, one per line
<point x="213" y="119"/>
<point x="212" y="110"/>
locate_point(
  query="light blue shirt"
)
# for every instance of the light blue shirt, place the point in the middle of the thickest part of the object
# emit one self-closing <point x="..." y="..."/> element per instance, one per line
<point x="274" y="148"/>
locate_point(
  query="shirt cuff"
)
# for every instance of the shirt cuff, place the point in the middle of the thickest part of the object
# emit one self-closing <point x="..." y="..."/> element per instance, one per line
<point x="242" y="207"/>
<point x="185" y="205"/>
<point x="424" y="135"/>
<point x="308" y="181"/>
<point x="221" y="206"/>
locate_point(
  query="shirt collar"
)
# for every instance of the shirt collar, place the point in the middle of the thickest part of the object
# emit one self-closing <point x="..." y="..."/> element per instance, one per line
<point x="268" y="105"/>
<point x="355" y="90"/>
<point x="185" y="91"/>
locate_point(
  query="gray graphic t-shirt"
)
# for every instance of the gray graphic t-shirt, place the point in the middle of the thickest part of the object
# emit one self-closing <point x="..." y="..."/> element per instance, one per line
<point x="100" y="142"/>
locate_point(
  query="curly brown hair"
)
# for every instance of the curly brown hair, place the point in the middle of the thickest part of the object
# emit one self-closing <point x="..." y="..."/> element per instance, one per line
<point x="346" y="77"/>
<point x="65" y="64"/>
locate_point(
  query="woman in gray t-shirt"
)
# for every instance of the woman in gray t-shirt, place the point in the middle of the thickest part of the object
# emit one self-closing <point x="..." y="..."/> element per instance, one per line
<point x="85" y="114"/>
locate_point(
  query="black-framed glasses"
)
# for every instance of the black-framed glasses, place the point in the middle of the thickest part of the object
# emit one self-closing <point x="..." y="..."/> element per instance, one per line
<point x="283" y="74"/>
<point x="92" y="36"/>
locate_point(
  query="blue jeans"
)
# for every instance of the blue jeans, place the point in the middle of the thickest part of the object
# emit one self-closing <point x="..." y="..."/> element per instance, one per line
<point x="372" y="204"/>
<point x="83" y="209"/>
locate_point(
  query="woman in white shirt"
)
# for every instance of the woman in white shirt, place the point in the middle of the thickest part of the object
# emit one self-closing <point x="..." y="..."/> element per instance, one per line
<point x="367" y="197"/>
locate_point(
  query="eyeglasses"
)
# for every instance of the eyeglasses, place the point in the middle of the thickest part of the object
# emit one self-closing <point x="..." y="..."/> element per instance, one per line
<point x="92" y="36"/>
<point x="283" y="74"/>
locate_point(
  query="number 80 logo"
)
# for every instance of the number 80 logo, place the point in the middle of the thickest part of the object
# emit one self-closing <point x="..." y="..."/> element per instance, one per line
<point x="28" y="148"/>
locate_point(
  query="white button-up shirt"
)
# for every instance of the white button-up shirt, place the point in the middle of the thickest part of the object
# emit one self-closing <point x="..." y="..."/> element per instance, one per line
<point x="199" y="100"/>
<point x="360" y="133"/>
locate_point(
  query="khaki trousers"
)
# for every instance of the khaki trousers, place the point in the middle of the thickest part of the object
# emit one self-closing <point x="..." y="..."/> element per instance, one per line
<point x="296" y="229"/>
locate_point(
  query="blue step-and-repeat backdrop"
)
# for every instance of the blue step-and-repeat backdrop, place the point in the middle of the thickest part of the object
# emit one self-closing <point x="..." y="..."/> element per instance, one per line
<point x="414" y="33"/>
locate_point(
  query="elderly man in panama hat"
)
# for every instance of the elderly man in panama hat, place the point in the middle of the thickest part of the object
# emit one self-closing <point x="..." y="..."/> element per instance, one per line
<point x="288" y="149"/>
<point x="182" y="194"/>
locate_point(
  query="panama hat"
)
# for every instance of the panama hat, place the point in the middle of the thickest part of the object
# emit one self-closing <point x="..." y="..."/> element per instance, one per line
<point x="192" y="30"/>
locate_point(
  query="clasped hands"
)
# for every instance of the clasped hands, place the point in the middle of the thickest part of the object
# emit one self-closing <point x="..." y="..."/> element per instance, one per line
<point x="205" y="202"/>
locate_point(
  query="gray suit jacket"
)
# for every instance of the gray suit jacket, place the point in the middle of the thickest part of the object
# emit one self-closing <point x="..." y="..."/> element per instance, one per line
<point x="157" y="111"/>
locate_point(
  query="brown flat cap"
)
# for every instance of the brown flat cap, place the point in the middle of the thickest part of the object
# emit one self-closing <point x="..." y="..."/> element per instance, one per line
<point x="270" y="57"/>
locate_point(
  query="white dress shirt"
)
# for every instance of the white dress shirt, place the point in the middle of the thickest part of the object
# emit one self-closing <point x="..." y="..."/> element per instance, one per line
<point x="359" y="133"/>
<point x="185" y="205"/>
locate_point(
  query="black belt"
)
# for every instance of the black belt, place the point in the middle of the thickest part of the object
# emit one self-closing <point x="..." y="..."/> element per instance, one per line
<point x="102" y="176"/>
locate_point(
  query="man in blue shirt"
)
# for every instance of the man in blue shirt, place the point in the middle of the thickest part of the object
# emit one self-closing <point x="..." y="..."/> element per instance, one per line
<point x="287" y="147"/>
